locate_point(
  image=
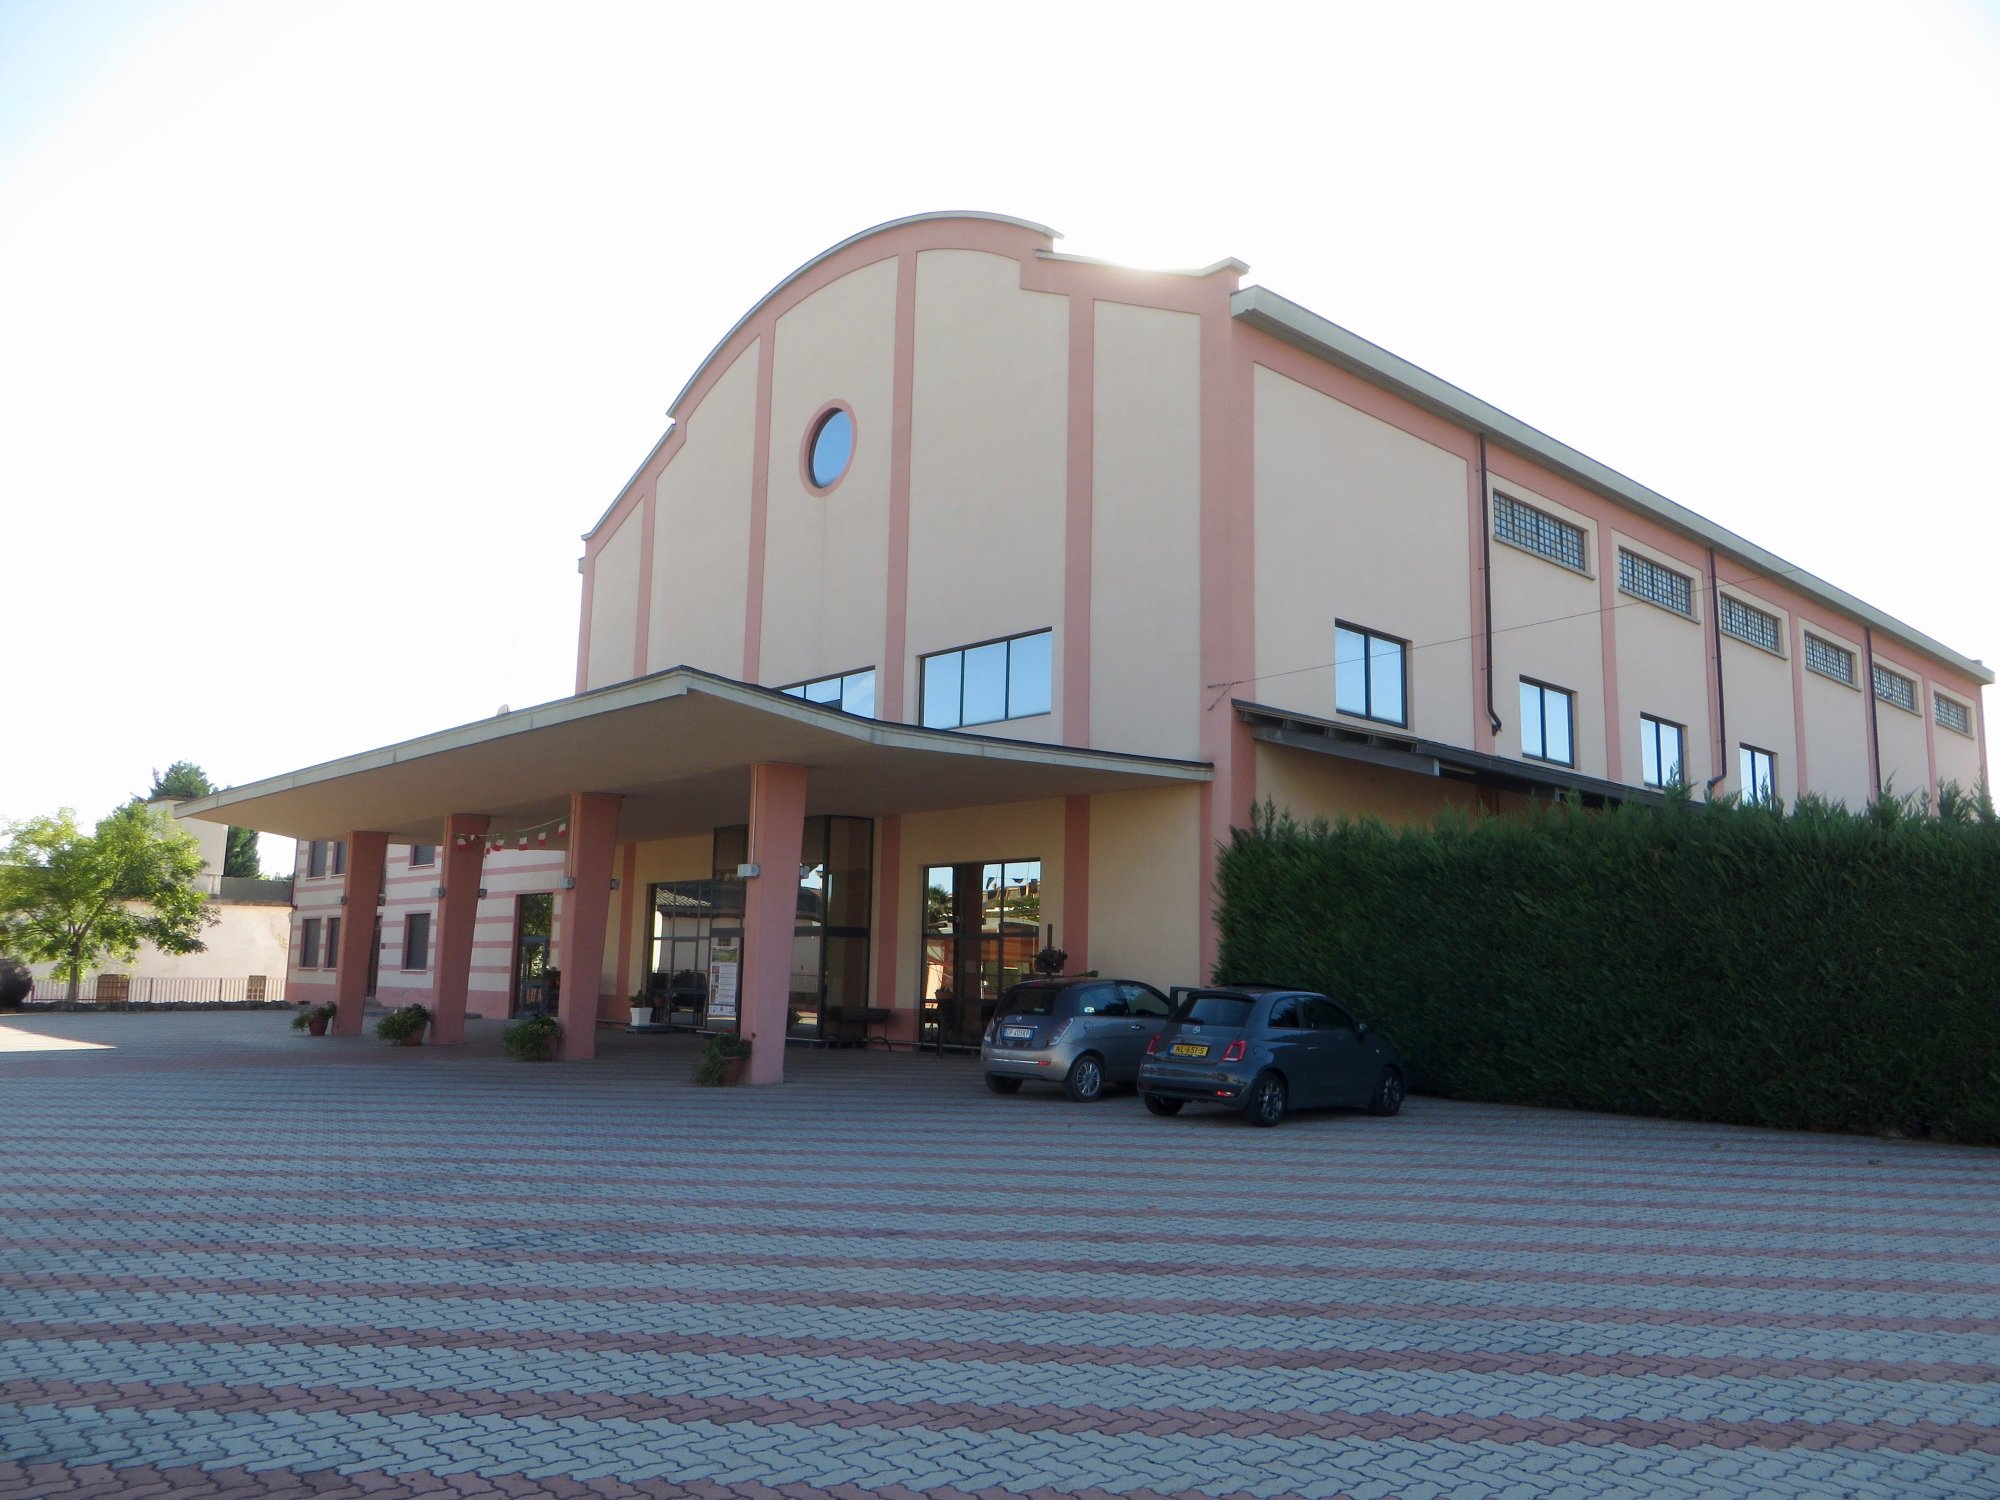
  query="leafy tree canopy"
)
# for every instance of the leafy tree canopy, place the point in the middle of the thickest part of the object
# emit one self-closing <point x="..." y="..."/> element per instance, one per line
<point x="74" y="899"/>
<point x="186" y="779"/>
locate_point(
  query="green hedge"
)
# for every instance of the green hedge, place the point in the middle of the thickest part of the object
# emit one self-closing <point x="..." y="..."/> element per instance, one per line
<point x="1819" y="970"/>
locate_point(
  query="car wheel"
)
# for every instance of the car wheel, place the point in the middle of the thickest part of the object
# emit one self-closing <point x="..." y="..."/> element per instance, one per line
<point x="1001" y="1085"/>
<point x="1156" y="1105"/>
<point x="1267" y="1100"/>
<point x="1388" y="1095"/>
<point x="1086" y="1078"/>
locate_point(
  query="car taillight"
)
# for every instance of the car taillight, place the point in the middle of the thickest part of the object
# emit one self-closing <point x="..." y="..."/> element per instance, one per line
<point x="1055" y="1034"/>
<point x="992" y="1027"/>
<point x="1235" y="1050"/>
<point x="1153" y="1045"/>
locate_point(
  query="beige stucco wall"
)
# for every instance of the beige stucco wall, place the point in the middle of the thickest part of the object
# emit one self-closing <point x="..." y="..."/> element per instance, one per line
<point x="504" y="876"/>
<point x="1663" y="671"/>
<point x="1145" y="885"/>
<point x="614" y="605"/>
<point x="1357" y="521"/>
<point x="1958" y="754"/>
<point x="1145" y="562"/>
<point x="988" y="457"/>
<point x="1547" y="625"/>
<point x="826" y="557"/>
<point x="701" y="536"/>
<point x="1837" y="730"/>
<point x="1757" y="689"/>
<point x="1309" y="785"/>
<point x="245" y="940"/>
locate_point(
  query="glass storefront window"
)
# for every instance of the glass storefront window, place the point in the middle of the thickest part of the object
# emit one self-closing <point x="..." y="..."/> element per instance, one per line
<point x="982" y="929"/>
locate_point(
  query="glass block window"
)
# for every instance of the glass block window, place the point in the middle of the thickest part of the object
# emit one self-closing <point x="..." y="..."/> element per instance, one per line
<point x="1537" y="531"/>
<point x="851" y="692"/>
<point x="1830" y="660"/>
<point x="1952" y="714"/>
<point x="1894" y="687"/>
<point x="1747" y="623"/>
<point x="1645" y="579"/>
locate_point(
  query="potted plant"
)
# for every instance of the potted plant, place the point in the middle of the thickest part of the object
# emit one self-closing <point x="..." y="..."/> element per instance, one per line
<point x="405" y="1026"/>
<point x="533" y="1038"/>
<point x="1050" y="960"/>
<point x="722" y="1061"/>
<point x="642" y="1009"/>
<point x="304" y="1018"/>
<point x="319" y="1018"/>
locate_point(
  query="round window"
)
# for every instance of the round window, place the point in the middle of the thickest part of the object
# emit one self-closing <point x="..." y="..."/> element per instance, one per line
<point x="830" y="448"/>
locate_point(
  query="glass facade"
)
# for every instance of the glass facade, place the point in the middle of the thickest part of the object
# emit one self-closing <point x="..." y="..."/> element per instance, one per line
<point x="982" y="925"/>
<point x="1010" y="679"/>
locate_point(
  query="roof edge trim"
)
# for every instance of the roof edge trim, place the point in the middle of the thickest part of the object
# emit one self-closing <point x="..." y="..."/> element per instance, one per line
<point x="1285" y="320"/>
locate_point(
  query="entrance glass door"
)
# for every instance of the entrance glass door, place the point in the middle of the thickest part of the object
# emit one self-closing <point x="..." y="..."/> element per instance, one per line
<point x="982" y="928"/>
<point x="534" y="917"/>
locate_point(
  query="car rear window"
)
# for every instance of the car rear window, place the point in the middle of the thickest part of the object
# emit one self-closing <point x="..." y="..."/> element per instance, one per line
<point x="1031" y="1000"/>
<point x="1215" y="1010"/>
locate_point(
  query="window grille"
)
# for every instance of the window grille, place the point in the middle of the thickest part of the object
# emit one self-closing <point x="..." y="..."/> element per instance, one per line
<point x="1830" y="660"/>
<point x="1894" y="687"/>
<point x="1646" y="579"/>
<point x="1749" y="624"/>
<point x="1538" y="532"/>
<point x="1952" y="714"/>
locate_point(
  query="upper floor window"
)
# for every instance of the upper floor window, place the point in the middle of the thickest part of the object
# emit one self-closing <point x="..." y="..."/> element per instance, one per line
<point x="1829" y="660"/>
<point x="423" y="854"/>
<point x="1894" y="687"/>
<point x="829" y="447"/>
<point x="315" y="859"/>
<point x="851" y="692"/>
<point x="1370" y="675"/>
<point x="1661" y="748"/>
<point x="1952" y="714"/>
<point x="1760" y="777"/>
<point x="337" y="859"/>
<point x="1008" y="679"/>
<point x="1645" y="579"/>
<point x="1538" y="532"/>
<point x="309" y="943"/>
<point x="1547" y="714"/>
<point x="1750" y="624"/>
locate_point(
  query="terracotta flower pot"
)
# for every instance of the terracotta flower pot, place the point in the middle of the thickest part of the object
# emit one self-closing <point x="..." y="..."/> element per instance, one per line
<point x="316" y="1026"/>
<point x="414" y="1039"/>
<point x="732" y="1071"/>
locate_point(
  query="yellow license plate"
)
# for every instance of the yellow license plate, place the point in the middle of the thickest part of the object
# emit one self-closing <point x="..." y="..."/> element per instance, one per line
<point x="1189" y="1049"/>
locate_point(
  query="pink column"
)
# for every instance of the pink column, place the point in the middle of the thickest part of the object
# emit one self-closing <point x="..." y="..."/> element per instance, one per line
<point x="367" y="856"/>
<point x="1074" y="938"/>
<point x="464" y="858"/>
<point x="770" y="913"/>
<point x="593" y="835"/>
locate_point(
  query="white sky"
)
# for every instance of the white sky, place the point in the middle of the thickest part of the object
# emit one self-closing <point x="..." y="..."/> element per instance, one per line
<point x="326" y="330"/>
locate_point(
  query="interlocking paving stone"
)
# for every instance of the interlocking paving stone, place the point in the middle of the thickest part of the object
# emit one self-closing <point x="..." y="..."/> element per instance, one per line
<point x="237" y="1261"/>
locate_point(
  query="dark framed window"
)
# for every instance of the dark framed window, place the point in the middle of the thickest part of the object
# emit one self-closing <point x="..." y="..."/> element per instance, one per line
<point x="850" y="692"/>
<point x="1645" y="579"/>
<point x="982" y="926"/>
<point x="1750" y="624"/>
<point x="1760" y="777"/>
<point x="1829" y="660"/>
<point x="1370" y="674"/>
<point x="1538" y="532"/>
<point x="1547" y="722"/>
<point x="1894" y="687"/>
<point x="316" y="858"/>
<point x="423" y="854"/>
<point x="1952" y="714"/>
<point x="1012" y="678"/>
<point x="337" y="858"/>
<point x="332" y="958"/>
<point x="417" y="940"/>
<point x="309" y="943"/>
<point x="1662" y="748"/>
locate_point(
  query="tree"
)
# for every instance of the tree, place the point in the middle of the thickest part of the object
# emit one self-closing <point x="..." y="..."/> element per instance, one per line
<point x="74" y="899"/>
<point x="185" y="779"/>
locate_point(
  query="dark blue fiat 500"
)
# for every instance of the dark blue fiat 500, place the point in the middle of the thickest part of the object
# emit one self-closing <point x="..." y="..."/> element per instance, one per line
<point x="1267" y="1050"/>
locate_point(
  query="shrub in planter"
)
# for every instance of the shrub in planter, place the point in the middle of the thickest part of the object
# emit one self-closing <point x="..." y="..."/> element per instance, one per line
<point x="405" y="1026"/>
<point x="533" y="1039"/>
<point x="722" y="1060"/>
<point x="16" y="982"/>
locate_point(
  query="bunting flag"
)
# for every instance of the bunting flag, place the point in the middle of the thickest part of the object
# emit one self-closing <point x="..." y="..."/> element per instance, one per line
<point x="537" y="837"/>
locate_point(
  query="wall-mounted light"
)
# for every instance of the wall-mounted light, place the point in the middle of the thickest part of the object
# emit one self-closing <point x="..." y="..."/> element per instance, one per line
<point x="748" y="872"/>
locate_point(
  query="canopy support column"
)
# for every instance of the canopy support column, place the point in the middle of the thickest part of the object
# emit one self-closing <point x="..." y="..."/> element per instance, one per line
<point x="593" y="836"/>
<point x="464" y="858"/>
<point x="770" y="914"/>
<point x="367" y="859"/>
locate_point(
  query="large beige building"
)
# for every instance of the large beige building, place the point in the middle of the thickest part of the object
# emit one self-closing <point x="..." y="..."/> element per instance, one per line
<point x="991" y="587"/>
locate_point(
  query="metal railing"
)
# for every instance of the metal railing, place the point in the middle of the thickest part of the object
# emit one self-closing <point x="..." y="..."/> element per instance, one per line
<point x="142" y="989"/>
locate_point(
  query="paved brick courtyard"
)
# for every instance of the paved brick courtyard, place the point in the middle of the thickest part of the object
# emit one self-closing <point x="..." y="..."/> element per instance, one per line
<point x="235" y="1260"/>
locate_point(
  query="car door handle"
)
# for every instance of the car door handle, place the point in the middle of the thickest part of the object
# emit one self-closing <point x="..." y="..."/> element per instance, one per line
<point x="1137" y="1027"/>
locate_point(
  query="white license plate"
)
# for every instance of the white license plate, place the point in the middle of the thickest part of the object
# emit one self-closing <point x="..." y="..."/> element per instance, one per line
<point x="1017" y="1033"/>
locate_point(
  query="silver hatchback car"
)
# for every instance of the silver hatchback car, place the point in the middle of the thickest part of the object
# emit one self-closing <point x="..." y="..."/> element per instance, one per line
<point x="1083" y="1033"/>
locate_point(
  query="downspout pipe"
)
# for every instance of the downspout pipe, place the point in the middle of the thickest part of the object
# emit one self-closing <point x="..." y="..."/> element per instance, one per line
<point x="1721" y="703"/>
<point x="1486" y="576"/>
<point x="1874" y="709"/>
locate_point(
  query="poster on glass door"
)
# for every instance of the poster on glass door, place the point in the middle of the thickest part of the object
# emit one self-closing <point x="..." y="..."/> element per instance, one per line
<point x="725" y="962"/>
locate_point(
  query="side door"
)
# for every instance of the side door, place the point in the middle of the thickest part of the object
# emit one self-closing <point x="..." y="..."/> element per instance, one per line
<point x="1146" y="1011"/>
<point x="1344" y="1058"/>
<point x="1290" y="1045"/>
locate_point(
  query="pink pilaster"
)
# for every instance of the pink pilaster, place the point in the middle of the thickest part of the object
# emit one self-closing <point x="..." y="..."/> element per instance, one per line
<point x="464" y="859"/>
<point x="1074" y="939"/>
<point x="593" y="836"/>
<point x="367" y="857"/>
<point x="770" y="913"/>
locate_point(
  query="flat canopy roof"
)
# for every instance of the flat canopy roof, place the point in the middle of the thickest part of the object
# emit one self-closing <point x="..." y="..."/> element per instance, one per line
<point x="676" y="745"/>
